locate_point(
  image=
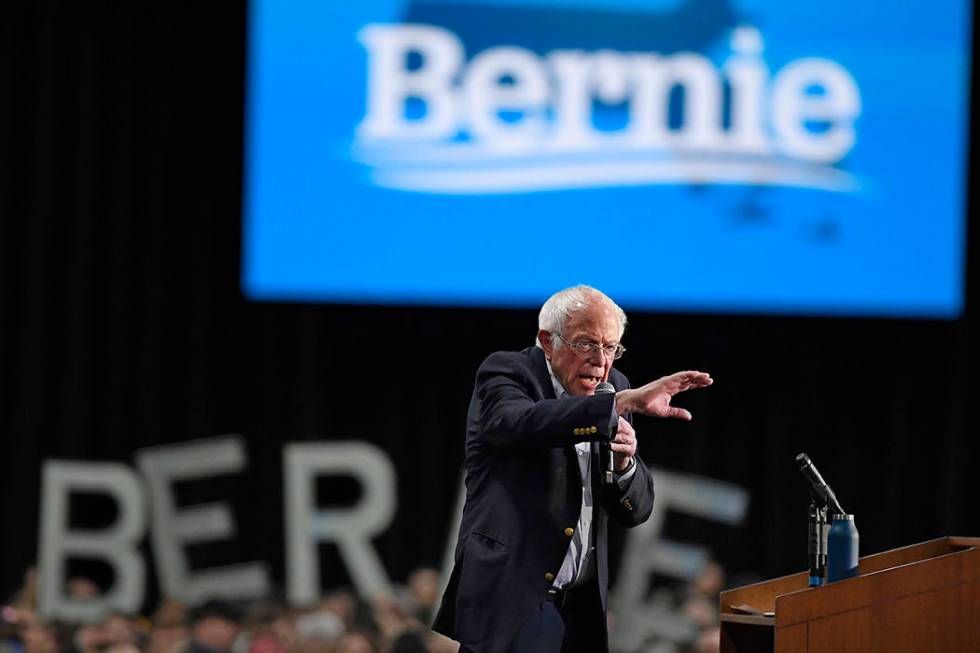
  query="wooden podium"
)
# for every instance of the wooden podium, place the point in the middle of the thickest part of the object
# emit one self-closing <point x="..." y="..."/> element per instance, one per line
<point x="924" y="597"/>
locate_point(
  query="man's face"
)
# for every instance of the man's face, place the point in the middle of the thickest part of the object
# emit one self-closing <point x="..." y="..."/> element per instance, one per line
<point x="595" y="323"/>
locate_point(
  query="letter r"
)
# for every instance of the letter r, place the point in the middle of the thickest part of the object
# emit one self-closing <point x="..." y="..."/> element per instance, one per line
<point x="351" y="529"/>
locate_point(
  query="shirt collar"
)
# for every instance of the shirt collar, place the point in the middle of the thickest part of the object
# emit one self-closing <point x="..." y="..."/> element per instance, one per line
<point x="560" y="390"/>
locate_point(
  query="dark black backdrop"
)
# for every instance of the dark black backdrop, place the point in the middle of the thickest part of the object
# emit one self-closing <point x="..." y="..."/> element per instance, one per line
<point x="122" y="325"/>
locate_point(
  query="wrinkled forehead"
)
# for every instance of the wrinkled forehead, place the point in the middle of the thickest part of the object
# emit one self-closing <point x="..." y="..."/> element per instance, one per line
<point x="596" y="321"/>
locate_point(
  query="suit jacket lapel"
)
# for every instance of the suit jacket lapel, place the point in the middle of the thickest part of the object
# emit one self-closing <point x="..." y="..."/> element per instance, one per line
<point x="566" y="478"/>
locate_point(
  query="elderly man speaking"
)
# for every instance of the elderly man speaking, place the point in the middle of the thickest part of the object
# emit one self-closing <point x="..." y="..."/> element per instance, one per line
<point x="531" y="573"/>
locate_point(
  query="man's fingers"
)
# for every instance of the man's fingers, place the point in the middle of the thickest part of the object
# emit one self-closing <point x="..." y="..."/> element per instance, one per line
<point x="692" y="379"/>
<point x="625" y="440"/>
<point x="654" y="398"/>
<point x="679" y="413"/>
<point x="624" y="443"/>
<point x="625" y="427"/>
<point x="628" y="449"/>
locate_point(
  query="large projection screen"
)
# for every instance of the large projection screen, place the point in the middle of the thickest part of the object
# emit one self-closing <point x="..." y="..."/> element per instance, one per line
<point x="752" y="156"/>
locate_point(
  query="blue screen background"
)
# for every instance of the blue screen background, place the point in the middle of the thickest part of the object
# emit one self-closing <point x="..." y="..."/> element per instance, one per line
<point x="319" y="228"/>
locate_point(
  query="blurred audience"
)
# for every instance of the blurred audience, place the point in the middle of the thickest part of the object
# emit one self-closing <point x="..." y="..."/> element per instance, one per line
<point x="168" y="631"/>
<point x="698" y="603"/>
<point x="214" y="627"/>
<point x="340" y="622"/>
<point x="422" y="594"/>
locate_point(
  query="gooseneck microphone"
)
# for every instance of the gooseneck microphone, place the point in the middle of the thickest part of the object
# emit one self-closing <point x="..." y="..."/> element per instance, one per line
<point x="822" y="501"/>
<point x="819" y="489"/>
<point x="610" y="477"/>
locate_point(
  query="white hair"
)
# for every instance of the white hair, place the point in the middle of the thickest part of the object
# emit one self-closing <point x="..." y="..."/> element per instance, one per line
<point x="560" y="306"/>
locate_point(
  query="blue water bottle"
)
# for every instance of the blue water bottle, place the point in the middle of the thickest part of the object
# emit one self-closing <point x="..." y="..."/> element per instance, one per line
<point x="842" y="549"/>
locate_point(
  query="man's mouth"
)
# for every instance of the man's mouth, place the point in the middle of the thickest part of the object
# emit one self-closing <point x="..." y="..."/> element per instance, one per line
<point x="589" y="381"/>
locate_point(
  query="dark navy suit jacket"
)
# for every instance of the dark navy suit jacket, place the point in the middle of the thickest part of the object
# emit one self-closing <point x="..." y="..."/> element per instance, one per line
<point x="524" y="494"/>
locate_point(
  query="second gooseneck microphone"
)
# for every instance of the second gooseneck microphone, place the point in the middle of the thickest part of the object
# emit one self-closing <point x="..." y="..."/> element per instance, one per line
<point x="610" y="476"/>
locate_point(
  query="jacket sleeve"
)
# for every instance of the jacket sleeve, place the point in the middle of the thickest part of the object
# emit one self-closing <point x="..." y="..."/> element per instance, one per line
<point x="508" y="417"/>
<point x="632" y="505"/>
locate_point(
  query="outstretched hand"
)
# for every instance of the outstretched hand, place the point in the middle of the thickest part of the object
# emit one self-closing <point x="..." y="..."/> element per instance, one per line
<point x="654" y="397"/>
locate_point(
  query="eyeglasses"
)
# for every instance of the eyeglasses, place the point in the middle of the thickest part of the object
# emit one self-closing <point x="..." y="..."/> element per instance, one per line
<point x="585" y="349"/>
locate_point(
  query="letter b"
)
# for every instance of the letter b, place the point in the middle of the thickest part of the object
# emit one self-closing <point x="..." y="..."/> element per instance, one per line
<point x="391" y="83"/>
<point x="117" y="544"/>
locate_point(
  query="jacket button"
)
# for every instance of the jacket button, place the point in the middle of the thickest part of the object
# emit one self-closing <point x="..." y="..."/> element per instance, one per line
<point x="594" y="429"/>
<point x="549" y="577"/>
<point x="569" y="532"/>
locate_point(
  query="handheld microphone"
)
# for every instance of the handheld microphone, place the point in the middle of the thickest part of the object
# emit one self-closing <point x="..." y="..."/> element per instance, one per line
<point x="602" y="389"/>
<point x="818" y="487"/>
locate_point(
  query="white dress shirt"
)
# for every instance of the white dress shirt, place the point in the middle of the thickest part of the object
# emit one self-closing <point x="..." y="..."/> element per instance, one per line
<point x="581" y="544"/>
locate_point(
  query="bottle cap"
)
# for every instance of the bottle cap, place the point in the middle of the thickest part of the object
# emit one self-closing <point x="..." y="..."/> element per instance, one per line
<point x="839" y="517"/>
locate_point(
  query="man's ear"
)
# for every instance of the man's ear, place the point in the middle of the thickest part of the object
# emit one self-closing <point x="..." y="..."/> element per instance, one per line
<point x="544" y="337"/>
